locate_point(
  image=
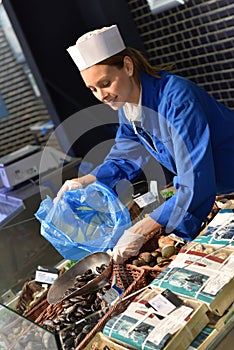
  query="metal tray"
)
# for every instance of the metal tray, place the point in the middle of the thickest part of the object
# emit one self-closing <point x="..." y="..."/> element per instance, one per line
<point x="57" y="291"/>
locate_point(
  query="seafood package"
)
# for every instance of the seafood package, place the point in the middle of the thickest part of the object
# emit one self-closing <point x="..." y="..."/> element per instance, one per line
<point x="220" y="230"/>
<point x="158" y="319"/>
<point x="204" y="272"/>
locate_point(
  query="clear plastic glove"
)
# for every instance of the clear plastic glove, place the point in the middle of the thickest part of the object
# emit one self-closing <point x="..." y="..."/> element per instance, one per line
<point x="67" y="186"/>
<point x="128" y="245"/>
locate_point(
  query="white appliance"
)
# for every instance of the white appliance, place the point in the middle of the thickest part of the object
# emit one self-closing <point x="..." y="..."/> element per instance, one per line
<point x="28" y="162"/>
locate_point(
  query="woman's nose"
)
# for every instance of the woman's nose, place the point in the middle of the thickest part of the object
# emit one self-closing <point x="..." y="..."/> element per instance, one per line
<point x="102" y="95"/>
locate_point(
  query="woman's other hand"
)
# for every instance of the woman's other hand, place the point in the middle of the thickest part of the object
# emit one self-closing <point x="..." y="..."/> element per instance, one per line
<point x="75" y="184"/>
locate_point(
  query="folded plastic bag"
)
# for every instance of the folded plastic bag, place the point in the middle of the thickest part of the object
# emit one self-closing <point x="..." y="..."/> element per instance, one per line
<point x="83" y="221"/>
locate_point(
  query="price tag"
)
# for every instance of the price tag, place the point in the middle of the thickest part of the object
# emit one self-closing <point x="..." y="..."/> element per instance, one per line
<point x="165" y="302"/>
<point x="112" y="295"/>
<point x="46" y="275"/>
<point x="146" y="199"/>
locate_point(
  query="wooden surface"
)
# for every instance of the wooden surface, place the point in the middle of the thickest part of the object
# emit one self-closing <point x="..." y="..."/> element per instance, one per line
<point x="227" y="343"/>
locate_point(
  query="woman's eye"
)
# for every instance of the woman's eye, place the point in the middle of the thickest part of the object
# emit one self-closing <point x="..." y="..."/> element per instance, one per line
<point x="106" y="84"/>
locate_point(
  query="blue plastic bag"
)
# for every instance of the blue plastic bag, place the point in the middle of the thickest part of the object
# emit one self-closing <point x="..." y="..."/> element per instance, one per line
<point x="83" y="221"/>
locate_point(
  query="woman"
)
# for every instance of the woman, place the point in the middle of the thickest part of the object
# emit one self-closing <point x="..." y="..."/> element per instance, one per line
<point x="162" y="115"/>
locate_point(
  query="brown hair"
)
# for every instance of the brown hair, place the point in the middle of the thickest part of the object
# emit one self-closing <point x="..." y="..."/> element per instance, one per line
<point x="139" y="61"/>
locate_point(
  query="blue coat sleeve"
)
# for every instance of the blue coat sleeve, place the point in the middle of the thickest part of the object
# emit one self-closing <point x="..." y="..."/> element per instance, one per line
<point x="125" y="160"/>
<point x="190" y="148"/>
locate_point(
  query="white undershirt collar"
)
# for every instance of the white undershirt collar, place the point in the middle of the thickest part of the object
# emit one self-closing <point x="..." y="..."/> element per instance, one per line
<point x="133" y="112"/>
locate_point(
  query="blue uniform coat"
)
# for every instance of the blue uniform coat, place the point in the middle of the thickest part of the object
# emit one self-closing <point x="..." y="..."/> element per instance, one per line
<point x="189" y="133"/>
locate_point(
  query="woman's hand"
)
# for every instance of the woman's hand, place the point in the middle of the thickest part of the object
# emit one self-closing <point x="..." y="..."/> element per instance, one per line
<point x="128" y="245"/>
<point x="146" y="226"/>
<point x="133" y="239"/>
<point x="75" y="184"/>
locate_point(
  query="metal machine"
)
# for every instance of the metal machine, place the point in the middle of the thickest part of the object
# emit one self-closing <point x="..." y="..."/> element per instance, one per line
<point x="26" y="163"/>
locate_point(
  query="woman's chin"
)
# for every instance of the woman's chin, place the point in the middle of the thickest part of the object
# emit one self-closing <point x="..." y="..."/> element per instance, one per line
<point x="115" y="105"/>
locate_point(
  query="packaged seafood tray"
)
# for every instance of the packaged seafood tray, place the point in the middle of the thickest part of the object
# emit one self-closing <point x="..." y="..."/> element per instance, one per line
<point x="158" y="319"/>
<point x="203" y="272"/>
<point x="220" y="230"/>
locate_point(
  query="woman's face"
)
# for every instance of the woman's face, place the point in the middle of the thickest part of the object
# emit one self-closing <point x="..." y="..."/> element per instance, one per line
<point x="112" y="85"/>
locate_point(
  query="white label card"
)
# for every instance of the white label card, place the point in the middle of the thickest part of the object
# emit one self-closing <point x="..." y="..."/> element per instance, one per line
<point x="146" y="199"/>
<point x="45" y="277"/>
<point x="162" y="305"/>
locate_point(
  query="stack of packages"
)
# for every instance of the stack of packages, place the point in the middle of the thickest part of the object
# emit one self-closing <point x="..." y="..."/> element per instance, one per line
<point x="158" y="319"/>
<point x="189" y="305"/>
<point x="219" y="235"/>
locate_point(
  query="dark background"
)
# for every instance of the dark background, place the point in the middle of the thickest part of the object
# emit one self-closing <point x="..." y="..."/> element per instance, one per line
<point x="45" y="30"/>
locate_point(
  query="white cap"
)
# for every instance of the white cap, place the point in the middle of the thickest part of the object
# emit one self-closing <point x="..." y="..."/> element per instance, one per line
<point x="94" y="47"/>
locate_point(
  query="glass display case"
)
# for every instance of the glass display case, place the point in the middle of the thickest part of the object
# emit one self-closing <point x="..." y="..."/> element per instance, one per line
<point x="19" y="333"/>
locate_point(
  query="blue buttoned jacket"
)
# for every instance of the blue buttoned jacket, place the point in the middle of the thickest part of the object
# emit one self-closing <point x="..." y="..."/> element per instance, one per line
<point x="189" y="133"/>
